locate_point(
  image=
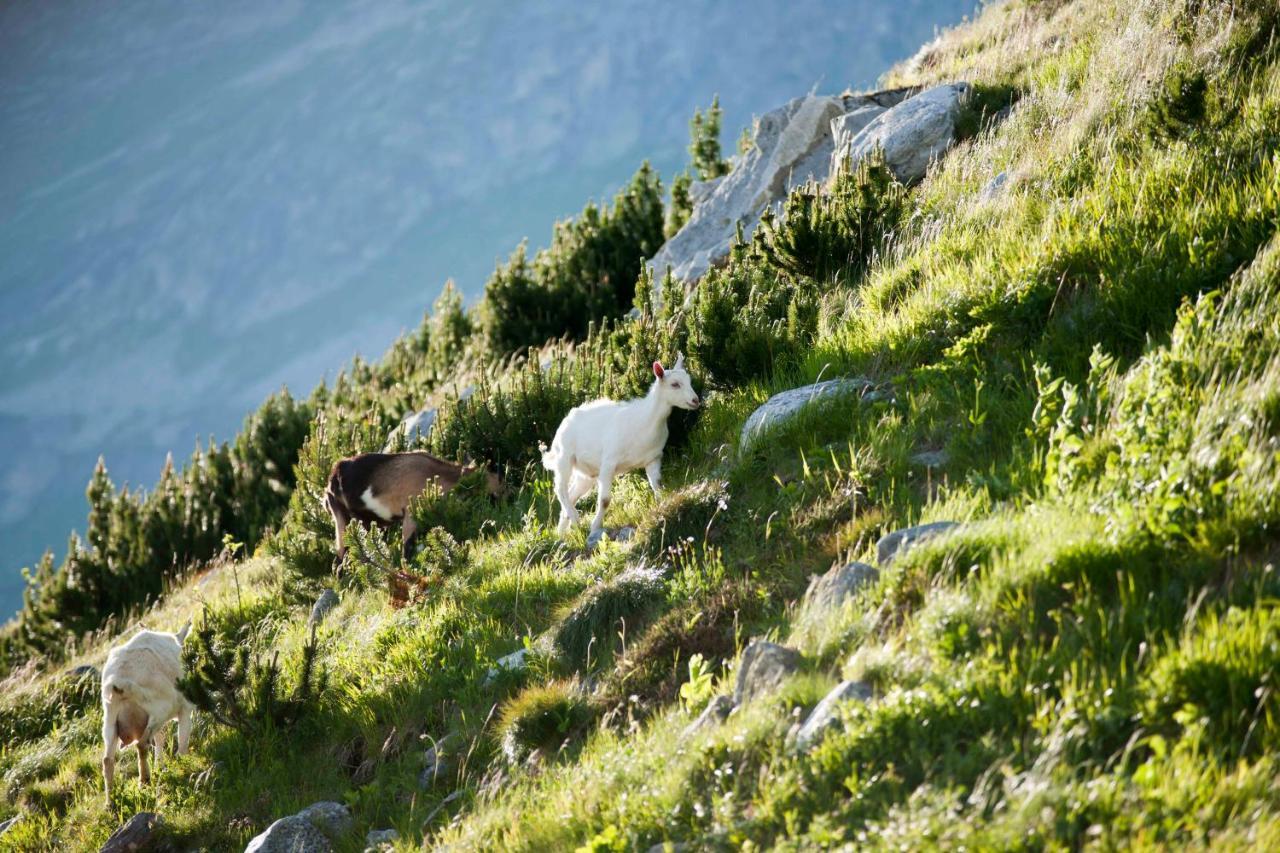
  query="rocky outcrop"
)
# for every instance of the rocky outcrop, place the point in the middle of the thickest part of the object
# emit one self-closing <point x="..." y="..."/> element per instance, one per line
<point x="784" y="405"/>
<point x="311" y="830"/>
<point x="763" y="668"/>
<point x="793" y="144"/>
<point x="716" y="712"/>
<point x="912" y="134"/>
<point x="825" y="716"/>
<point x="893" y="545"/>
<point x="828" y="592"/>
<point x="326" y="602"/>
<point x="414" y="426"/>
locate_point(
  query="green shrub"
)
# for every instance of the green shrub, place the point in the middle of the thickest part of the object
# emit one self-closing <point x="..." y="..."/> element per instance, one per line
<point x="590" y="625"/>
<point x="225" y="678"/>
<point x="588" y="272"/>
<point x="747" y="322"/>
<point x="542" y="717"/>
<point x="837" y="231"/>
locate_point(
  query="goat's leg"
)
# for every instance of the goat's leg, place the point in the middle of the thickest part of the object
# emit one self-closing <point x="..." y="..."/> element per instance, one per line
<point x="110" y="744"/>
<point x="654" y="472"/>
<point x="579" y="486"/>
<point x="340" y="519"/>
<point x="408" y="531"/>
<point x="605" y="484"/>
<point x="144" y="771"/>
<point x="157" y="741"/>
<point x="184" y="729"/>
<point x="564" y="476"/>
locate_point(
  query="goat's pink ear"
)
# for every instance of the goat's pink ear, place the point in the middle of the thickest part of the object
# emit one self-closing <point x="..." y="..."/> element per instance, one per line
<point x="657" y="369"/>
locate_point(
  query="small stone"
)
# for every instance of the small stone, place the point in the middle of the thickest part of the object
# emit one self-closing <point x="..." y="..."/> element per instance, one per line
<point x="595" y="537"/>
<point x="136" y="835"/>
<point x="828" y="592"/>
<point x="763" y="668"/>
<point x="824" y="716"/>
<point x="84" y="670"/>
<point x="293" y="834"/>
<point x="376" y="838"/>
<point x="326" y="602"/>
<point x="333" y="819"/>
<point x="441" y="761"/>
<point x="513" y="662"/>
<point x="716" y="712"/>
<point x="930" y="458"/>
<point x="6" y="825"/>
<point x="624" y="534"/>
<point x="900" y="541"/>
<point x="993" y="187"/>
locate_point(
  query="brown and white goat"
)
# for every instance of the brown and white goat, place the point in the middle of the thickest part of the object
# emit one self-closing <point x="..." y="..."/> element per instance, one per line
<point x="376" y="488"/>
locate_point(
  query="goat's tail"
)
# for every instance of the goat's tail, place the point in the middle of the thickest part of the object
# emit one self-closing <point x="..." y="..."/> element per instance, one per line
<point x="549" y="457"/>
<point x="116" y="687"/>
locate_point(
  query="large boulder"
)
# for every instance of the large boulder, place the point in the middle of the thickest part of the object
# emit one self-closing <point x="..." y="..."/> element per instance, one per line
<point x="825" y="717"/>
<point x="793" y="144"/>
<point x="782" y="406"/>
<point x="763" y="668"/>
<point x="894" y="544"/>
<point x="912" y="133"/>
<point x="828" y="592"/>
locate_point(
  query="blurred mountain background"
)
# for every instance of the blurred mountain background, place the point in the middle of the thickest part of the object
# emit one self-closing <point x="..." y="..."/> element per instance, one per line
<point x="202" y="202"/>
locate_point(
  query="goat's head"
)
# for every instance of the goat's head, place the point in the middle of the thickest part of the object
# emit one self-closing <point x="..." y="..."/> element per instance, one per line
<point x="675" y="386"/>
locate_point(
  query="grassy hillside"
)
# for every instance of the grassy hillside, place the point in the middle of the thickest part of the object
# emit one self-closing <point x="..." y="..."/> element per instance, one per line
<point x="1089" y="354"/>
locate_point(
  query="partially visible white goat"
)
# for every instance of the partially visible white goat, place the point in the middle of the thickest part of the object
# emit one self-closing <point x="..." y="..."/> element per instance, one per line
<point x="139" y="698"/>
<point x="599" y="440"/>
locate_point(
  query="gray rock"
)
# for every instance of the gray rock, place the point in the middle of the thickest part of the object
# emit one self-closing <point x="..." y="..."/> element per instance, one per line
<point x="716" y="712"/>
<point x="793" y="144"/>
<point x="441" y="761"/>
<point x="900" y="541"/>
<point x="326" y="602"/>
<point x="84" y="670"/>
<point x="333" y="819"/>
<point x="6" y="825"/>
<point x="293" y="834"/>
<point x="137" y="834"/>
<point x="378" y="837"/>
<point x="912" y="133"/>
<point x="930" y="458"/>
<point x="824" y="718"/>
<point x="784" y="405"/>
<point x="513" y="662"/>
<point x="828" y="592"/>
<point x="763" y="668"/>
<point x="992" y="189"/>
<point x="441" y="806"/>
<point x="414" y="426"/>
<point x="619" y="534"/>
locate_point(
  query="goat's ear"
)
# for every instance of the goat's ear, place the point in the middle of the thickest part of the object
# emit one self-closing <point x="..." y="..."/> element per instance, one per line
<point x="657" y="369"/>
<point x="182" y="635"/>
<point x="679" y="361"/>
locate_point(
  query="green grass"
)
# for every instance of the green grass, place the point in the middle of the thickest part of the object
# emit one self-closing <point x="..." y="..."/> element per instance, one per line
<point x="1089" y="661"/>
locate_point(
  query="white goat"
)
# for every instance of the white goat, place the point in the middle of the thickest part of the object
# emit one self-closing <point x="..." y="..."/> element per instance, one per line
<point x="140" y="696"/>
<point x="601" y="439"/>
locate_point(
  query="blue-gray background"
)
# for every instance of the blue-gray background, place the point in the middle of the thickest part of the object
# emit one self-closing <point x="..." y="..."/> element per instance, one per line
<point x="201" y="202"/>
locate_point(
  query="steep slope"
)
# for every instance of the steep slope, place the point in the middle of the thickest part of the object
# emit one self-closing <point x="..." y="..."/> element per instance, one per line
<point x="1077" y="363"/>
<point x="202" y="204"/>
